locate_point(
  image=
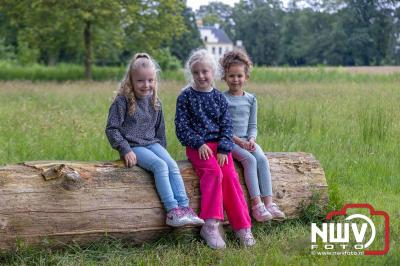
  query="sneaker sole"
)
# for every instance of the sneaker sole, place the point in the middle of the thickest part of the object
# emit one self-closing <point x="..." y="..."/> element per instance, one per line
<point x="197" y="224"/>
<point x="265" y="220"/>
<point x="178" y="225"/>
<point x="279" y="219"/>
<point x="185" y="224"/>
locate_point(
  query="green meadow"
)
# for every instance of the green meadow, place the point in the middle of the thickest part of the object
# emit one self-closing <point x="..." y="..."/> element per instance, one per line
<point x="349" y="121"/>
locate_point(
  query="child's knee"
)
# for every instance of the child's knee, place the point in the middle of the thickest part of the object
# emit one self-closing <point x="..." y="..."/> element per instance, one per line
<point x="212" y="173"/>
<point x="249" y="160"/>
<point x="215" y="171"/>
<point x="172" y="165"/>
<point x="229" y="172"/>
<point x="159" y="166"/>
<point x="262" y="160"/>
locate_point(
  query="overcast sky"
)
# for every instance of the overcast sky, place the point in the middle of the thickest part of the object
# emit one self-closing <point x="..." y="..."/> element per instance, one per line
<point x="194" y="4"/>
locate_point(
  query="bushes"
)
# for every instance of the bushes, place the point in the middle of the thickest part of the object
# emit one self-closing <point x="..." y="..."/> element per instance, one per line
<point x="166" y="60"/>
<point x="171" y="70"/>
<point x="9" y="70"/>
<point x="61" y="72"/>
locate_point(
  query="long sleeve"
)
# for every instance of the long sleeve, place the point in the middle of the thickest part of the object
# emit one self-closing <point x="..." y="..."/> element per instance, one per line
<point x="186" y="135"/>
<point x="160" y="129"/>
<point x="116" y="117"/>
<point x="252" y="127"/>
<point x="225" y="144"/>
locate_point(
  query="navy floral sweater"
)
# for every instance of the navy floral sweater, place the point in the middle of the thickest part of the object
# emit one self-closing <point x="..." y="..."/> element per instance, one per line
<point x="203" y="117"/>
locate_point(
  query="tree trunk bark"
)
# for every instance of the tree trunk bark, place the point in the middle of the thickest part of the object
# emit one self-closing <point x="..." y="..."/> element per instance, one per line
<point x="54" y="203"/>
<point x="87" y="34"/>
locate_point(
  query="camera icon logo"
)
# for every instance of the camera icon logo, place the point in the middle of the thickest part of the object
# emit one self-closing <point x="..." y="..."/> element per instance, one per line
<point x="336" y="235"/>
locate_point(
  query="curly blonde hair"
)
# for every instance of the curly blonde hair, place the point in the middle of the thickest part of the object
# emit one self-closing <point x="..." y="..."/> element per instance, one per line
<point x="139" y="60"/>
<point x="236" y="57"/>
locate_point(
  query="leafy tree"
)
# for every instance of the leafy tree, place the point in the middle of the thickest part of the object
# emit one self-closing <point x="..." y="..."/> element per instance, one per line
<point x="190" y="39"/>
<point x="85" y="26"/>
<point x="257" y="23"/>
<point x="155" y="24"/>
<point x="393" y="54"/>
<point x="367" y="25"/>
<point x="217" y="13"/>
<point x="8" y="39"/>
<point x="292" y="51"/>
<point x="337" y="53"/>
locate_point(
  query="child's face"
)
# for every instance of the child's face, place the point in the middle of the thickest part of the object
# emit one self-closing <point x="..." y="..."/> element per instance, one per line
<point x="202" y="75"/>
<point x="144" y="81"/>
<point x="236" y="77"/>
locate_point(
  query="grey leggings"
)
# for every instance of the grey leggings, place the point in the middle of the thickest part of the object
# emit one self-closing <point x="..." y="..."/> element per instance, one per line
<point x="256" y="170"/>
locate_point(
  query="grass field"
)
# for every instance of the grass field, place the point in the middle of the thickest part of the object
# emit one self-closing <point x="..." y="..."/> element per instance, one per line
<point x="352" y="126"/>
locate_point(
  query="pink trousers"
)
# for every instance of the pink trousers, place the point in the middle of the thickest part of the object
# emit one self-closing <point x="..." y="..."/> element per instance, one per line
<point x="220" y="189"/>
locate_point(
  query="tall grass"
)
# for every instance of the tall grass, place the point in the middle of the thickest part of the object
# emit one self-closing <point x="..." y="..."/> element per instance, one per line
<point x="318" y="74"/>
<point x="352" y="128"/>
<point x="69" y="72"/>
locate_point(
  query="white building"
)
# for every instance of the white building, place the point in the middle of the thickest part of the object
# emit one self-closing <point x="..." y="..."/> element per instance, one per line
<point x="216" y="40"/>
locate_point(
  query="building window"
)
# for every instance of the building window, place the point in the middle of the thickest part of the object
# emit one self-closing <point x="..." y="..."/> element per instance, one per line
<point x="213" y="50"/>
<point x="205" y="38"/>
<point x="220" y="50"/>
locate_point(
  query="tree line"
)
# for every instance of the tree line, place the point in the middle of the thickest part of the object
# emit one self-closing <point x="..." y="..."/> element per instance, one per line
<point x="102" y="32"/>
<point x="327" y="32"/>
<point x="108" y="32"/>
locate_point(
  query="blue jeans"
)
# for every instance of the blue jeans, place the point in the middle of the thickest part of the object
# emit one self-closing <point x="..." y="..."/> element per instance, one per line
<point x="256" y="171"/>
<point x="156" y="159"/>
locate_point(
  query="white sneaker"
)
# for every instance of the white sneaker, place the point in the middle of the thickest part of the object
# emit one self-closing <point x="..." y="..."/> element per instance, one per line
<point x="277" y="214"/>
<point x="245" y="237"/>
<point x="192" y="216"/>
<point x="211" y="234"/>
<point x="260" y="213"/>
<point x="176" y="218"/>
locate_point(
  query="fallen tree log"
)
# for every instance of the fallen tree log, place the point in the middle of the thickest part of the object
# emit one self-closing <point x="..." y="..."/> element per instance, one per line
<point x="54" y="203"/>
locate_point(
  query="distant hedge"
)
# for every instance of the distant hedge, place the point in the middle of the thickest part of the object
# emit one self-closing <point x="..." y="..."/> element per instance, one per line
<point x="68" y="72"/>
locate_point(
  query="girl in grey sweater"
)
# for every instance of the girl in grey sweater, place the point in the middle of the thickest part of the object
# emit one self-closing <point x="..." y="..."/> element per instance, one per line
<point x="236" y="67"/>
<point x="135" y="128"/>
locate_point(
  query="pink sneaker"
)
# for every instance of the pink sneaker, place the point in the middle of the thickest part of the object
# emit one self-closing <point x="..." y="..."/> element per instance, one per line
<point x="210" y="233"/>
<point x="260" y="213"/>
<point x="277" y="214"/>
<point x="192" y="216"/>
<point x="176" y="218"/>
<point x="245" y="237"/>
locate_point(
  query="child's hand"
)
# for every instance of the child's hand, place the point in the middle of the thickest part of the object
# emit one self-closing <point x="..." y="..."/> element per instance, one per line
<point x="130" y="159"/>
<point x="243" y="144"/>
<point x="251" y="144"/>
<point x="205" y="152"/>
<point x="222" y="159"/>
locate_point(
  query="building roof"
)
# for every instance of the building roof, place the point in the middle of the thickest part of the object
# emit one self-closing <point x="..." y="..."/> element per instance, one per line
<point x="218" y="33"/>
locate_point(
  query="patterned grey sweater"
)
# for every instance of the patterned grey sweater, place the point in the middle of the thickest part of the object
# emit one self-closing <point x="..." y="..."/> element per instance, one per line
<point x="146" y="126"/>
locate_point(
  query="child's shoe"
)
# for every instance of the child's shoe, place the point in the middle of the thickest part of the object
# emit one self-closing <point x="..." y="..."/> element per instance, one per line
<point x="211" y="234"/>
<point x="277" y="214"/>
<point x="260" y="213"/>
<point x="192" y="216"/>
<point x="245" y="237"/>
<point x="176" y="217"/>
